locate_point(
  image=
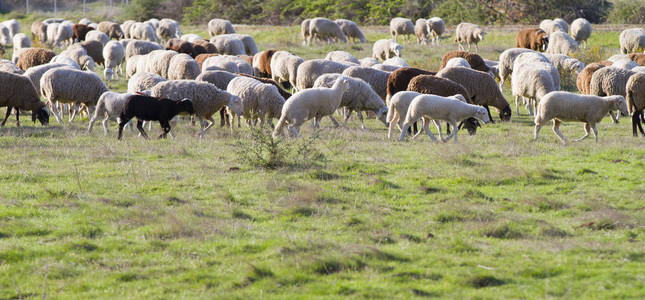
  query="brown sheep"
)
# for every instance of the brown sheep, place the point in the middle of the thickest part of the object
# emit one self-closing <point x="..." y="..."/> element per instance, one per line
<point x="80" y="31"/>
<point x="202" y="57"/>
<point x="112" y="29"/>
<point x="584" y="78"/>
<point x="246" y="58"/>
<point x="475" y="61"/>
<point x="399" y="80"/>
<point x="181" y="47"/>
<point x="210" y="47"/>
<point x="638" y="58"/>
<point x="532" y="38"/>
<point x="636" y="101"/>
<point x="95" y="50"/>
<point x="29" y="57"/>
<point x="262" y="63"/>
<point x="606" y="63"/>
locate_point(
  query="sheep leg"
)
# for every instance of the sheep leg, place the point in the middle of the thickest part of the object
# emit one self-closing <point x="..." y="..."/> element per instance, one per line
<point x="223" y="118"/>
<point x="393" y="124"/>
<point x="404" y="131"/>
<point x="55" y="111"/>
<point x="587" y="131"/>
<point x="536" y="131"/>
<point x="613" y="117"/>
<point x="9" y="109"/>
<point x="595" y="131"/>
<point x="105" y="123"/>
<point x="424" y="124"/>
<point x="316" y="124"/>
<point x="333" y="120"/>
<point x="517" y="101"/>
<point x="437" y="124"/>
<point x="121" y="124"/>
<point x="139" y="126"/>
<point x="454" y="126"/>
<point x="487" y="110"/>
<point x="556" y="129"/>
<point x="360" y="117"/>
<point x="636" y="122"/>
<point x="165" y="128"/>
<point x="452" y="134"/>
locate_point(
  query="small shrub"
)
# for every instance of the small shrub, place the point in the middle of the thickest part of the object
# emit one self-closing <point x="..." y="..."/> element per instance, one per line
<point x="482" y="281"/>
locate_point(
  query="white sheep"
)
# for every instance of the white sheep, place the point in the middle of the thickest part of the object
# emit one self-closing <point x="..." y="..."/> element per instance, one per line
<point x="35" y="73"/>
<point x="530" y="81"/>
<point x="436" y="27"/>
<point x="564" y="106"/>
<point x="314" y="103"/>
<point x="182" y="66"/>
<point x="310" y="70"/>
<point x="421" y="31"/>
<point x="384" y="49"/>
<point x="20" y="41"/>
<point x="401" y="26"/>
<point x="114" y="54"/>
<point x="136" y="47"/>
<point x="563" y="24"/>
<point x="168" y="29"/>
<point x="95" y="35"/>
<point x="143" y="81"/>
<point x="109" y="105"/>
<point x="580" y="31"/>
<point x="632" y="40"/>
<point x="458" y="62"/>
<point x="10" y="67"/>
<point x="540" y="59"/>
<point x="5" y="35"/>
<point x="342" y="57"/>
<point x="506" y="62"/>
<point x="71" y="86"/>
<point x="304" y="31"/>
<point x="323" y="28"/>
<point x="190" y="37"/>
<point x="250" y="47"/>
<point x="396" y="61"/>
<point x="220" y="79"/>
<point x="610" y="81"/>
<point x="368" y="61"/>
<point x="397" y="108"/>
<point x="565" y="64"/>
<point x="143" y="31"/>
<point x="64" y="35"/>
<point x="158" y="62"/>
<point x="135" y="64"/>
<point x="259" y="100"/>
<point x="13" y="26"/>
<point x="351" y="30"/>
<point x="220" y="26"/>
<point x="561" y="43"/>
<point x="437" y="108"/>
<point x="284" y="67"/>
<point x="549" y="26"/>
<point x="377" y="79"/>
<point x="228" y="44"/>
<point x="80" y="56"/>
<point x="207" y="99"/>
<point x="52" y="30"/>
<point x="469" y="33"/>
<point x="228" y="63"/>
<point x="385" y="68"/>
<point x="625" y="63"/>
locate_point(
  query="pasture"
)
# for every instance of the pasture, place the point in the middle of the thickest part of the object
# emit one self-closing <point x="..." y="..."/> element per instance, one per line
<point x="349" y="214"/>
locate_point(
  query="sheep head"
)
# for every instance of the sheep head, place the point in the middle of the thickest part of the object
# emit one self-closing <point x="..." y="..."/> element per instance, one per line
<point x="41" y="115"/>
<point x="108" y="73"/>
<point x="470" y="125"/>
<point x="381" y="114"/>
<point x="480" y="33"/>
<point x="235" y="104"/>
<point x="618" y="103"/>
<point x="505" y="113"/>
<point x="395" y="48"/>
<point x="543" y="40"/>
<point x="186" y="105"/>
<point x="482" y="114"/>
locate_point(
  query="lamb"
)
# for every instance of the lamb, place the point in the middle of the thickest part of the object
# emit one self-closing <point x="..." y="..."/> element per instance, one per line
<point x="396" y="110"/>
<point x="111" y="29"/>
<point x="359" y="97"/>
<point x="158" y="62"/>
<point x="284" y="67"/>
<point x="180" y="46"/>
<point x="375" y="78"/>
<point x="532" y="38"/>
<point x="71" y="86"/>
<point x="262" y="63"/>
<point x="421" y="31"/>
<point x="561" y="43"/>
<point x="304" y="31"/>
<point x="583" y="81"/>
<point x="207" y="99"/>
<point x="39" y="32"/>
<point x="143" y="81"/>
<point x="449" y="109"/>
<point x="638" y="58"/>
<point x="29" y="57"/>
<point x="351" y="30"/>
<point x="401" y="26"/>
<point x="325" y="28"/>
<point x="140" y="48"/>
<point x="250" y="47"/>
<point x="312" y="103"/>
<point x="458" y="62"/>
<point x="549" y="26"/>
<point x="469" y="33"/>
<point x="143" y="31"/>
<point x="342" y="57"/>
<point x="110" y="104"/>
<point x="220" y="26"/>
<point x="80" y="31"/>
<point x="580" y="31"/>
<point x="227" y="44"/>
<point x="475" y="61"/>
<point x="113" y="54"/>
<point x="310" y="70"/>
<point x="531" y="81"/>
<point x="610" y="81"/>
<point x="17" y="91"/>
<point x="384" y="49"/>
<point x="436" y="27"/>
<point x="482" y="89"/>
<point x="168" y="29"/>
<point x="259" y="100"/>
<point x="146" y="108"/>
<point x="229" y="63"/>
<point x="564" y="106"/>
<point x="182" y="66"/>
<point x="506" y="62"/>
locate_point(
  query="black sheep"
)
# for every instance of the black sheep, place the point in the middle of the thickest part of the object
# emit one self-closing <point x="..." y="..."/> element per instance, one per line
<point x="147" y="108"/>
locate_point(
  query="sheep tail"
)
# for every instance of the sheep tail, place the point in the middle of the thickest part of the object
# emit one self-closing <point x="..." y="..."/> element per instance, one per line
<point x="391" y="113"/>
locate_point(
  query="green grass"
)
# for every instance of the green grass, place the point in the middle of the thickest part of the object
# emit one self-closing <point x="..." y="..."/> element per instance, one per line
<point x="497" y="215"/>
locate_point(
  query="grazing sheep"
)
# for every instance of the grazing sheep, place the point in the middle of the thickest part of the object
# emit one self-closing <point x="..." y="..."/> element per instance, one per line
<point x="436" y="27"/>
<point x="17" y="92"/>
<point x="564" y="106"/>
<point x="531" y="81"/>
<point x="262" y="63"/>
<point x="39" y="32"/>
<point x="475" y="61"/>
<point x="71" y="86"/>
<point x="583" y="81"/>
<point x="368" y="61"/>
<point x="342" y="57"/>
<point x="351" y="30"/>
<point x="401" y="26"/>
<point x="441" y="108"/>
<point x="561" y="43"/>
<point x="469" y="33"/>
<point x="126" y="26"/>
<point x="20" y="41"/>
<point x="180" y="46"/>
<point x="5" y="35"/>
<point x="284" y="67"/>
<point x="143" y="31"/>
<point x="190" y="37"/>
<point x="400" y="79"/>
<point x="580" y="31"/>
<point x="64" y="35"/>
<point x="566" y="65"/>
<point x="421" y="31"/>
<point x="395" y="61"/>
<point x="158" y="62"/>
<point x="93" y="48"/>
<point x="207" y="99"/>
<point x="228" y="63"/>
<point x="182" y="66"/>
<point x="227" y="44"/>
<point x="13" y="26"/>
<point x="112" y="29"/>
<point x="638" y="58"/>
<point x="137" y="47"/>
<point x="8" y="66"/>
<point x="204" y="46"/>
<point x="563" y="24"/>
<point x="80" y="56"/>
<point x="636" y="101"/>
<point x="113" y="54"/>
<point x="143" y="81"/>
<point x="80" y="32"/>
<point x="110" y="104"/>
<point x="506" y="62"/>
<point x="95" y="35"/>
<point x="29" y="57"/>
<point x="314" y="103"/>
<point x="286" y="95"/>
<point x="146" y="108"/>
<point x="135" y="64"/>
<point x="153" y="22"/>
<point x="457" y="62"/>
<point x="220" y="79"/>
<point x="259" y="100"/>
<point x="35" y="73"/>
<point x="168" y="29"/>
<point x="377" y="79"/>
<point x="325" y="28"/>
<point x="250" y="47"/>
<point x="384" y="49"/>
<point x="220" y="26"/>
<point x="304" y="31"/>
<point x="625" y="63"/>
<point x="539" y="59"/>
<point x="482" y="89"/>
<point x="310" y="70"/>
<point x="610" y="81"/>
<point x="549" y="26"/>
<point x="532" y="38"/>
<point x="385" y="68"/>
<point x="396" y="110"/>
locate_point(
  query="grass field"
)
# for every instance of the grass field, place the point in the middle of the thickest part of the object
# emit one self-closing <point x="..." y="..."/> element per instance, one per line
<point x="355" y="215"/>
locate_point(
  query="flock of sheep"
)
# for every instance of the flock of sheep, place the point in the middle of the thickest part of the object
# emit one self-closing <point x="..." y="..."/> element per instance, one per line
<point x="171" y="73"/>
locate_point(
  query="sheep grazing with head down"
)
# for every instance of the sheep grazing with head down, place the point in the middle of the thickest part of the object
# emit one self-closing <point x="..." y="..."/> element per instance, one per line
<point x="506" y="62"/>
<point x="384" y="49"/>
<point x="351" y="30"/>
<point x="564" y="106"/>
<point x="580" y="31"/>
<point x="401" y="26"/>
<point x="632" y="40"/>
<point x="342" y="57"/>
<point x="440" y="108"/>
<point x="310" y="70"/>
<point x="228" y="44"/>
<point x="17" y="92"/>
<point x="377" y="79"/>
<point x="531" y="81"/>
<point x="397" y="108"/>
<point x="458" y="62"/>
<point x="326" y="29"/>
<point x="421" y="31"/>
<point x="304" y="31"/>
<point x="532" y="38"/>
<point x="259" y="100"/>
<point x="110" y="104"/>
<point x="469" y="33"/>
<point x="30" y="57"/>
<point x="220" y="26"/>
<point x="147" y="108"/>
<point x="113" y="54"/>
<point x="112" y="29"/>
<point x="436" y="27"/>
<point x="561" y="43"/>
<point x="476" y="62"/>
<point x="314" y="103"/>
<point x="71" y="86"/>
